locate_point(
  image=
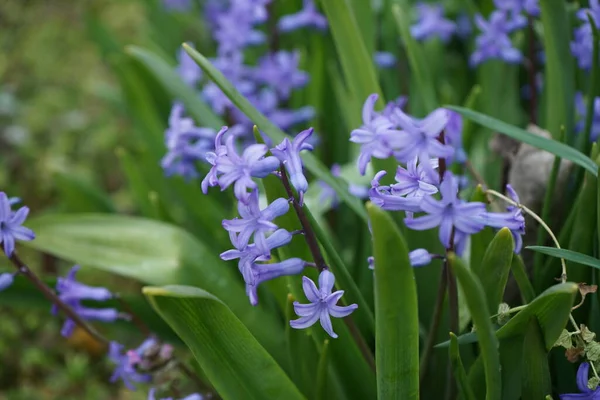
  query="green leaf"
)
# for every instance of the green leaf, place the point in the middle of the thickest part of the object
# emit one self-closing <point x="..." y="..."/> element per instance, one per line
<point x="155" y="253"/>
<point x="552" y="146"/>
<point x="136" y="182"/>
<point x="481" y="239"/>
<point x="311" y="162"/>
<point x="322" y="372"/>
<point x="459" y="370"/>
<point x="560" y="69"/>
<point x="173" y="83"/>
<point x="570" y="255"/>
<point x="419" y="67"/>
<point x="488" y="343"/>
<point x="494" y="268"/>
<point x="357" y="64"/>
<point x="536" y="382"/>
<point x="520" y="274"/>
<point x="234" y="362"/>
<point x="396" y="313"/>
<point x="77" y="195"/>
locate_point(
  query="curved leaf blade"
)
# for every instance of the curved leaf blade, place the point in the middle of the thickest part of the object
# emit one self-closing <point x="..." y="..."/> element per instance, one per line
<point x="232" y="359"/>
<point x="459" y="370"/>
<point x="536" y="381"/>
<point x="569" y="255"/>
<point x="396" y="313"/>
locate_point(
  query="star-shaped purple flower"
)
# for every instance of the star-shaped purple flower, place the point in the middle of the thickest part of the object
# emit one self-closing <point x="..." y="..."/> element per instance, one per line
<point x="280" y="72"/>
<point x="250" y="254"/>
<point x="11" y="228"/>
<point x="124" y="369"/>
<point x="322" y="304"/>
<point x="582" y="383"/>
<point x="308" y="17"/>
<point x="255" y="222"/>
<point x="493" y="41"/>
<point x="515" y="7"/>
<point x="288" y="153"/>
<point x="431" y="23"/>
<point x="512" y="219"/>
<point x="259" y="273"/>
<point x="385" y="198"/>
<point x="449" y="213"/>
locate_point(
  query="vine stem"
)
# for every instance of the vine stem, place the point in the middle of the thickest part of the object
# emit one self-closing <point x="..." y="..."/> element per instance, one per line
<point x="563" y="277"/>
<point x="54" y="299"/>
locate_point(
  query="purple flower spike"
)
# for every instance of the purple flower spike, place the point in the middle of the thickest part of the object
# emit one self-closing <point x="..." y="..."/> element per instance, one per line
<point x="72" y="292"/>
<point x="582" y="383"/>
<point x="449" y="213"/>
<point x="512" y="219"/>
<point x="260" y="273"/>
<point x="375" y="136"/>
<point x="322" y="304"/>
<point x="308" y="17"/>
<point x="280" y="72"/>
<point x="10" y="225"/>
<point x="255" y="222"/>
<point x="493" y="42"/>
<point x="419" y="138"/>
<point x="124" y="369"/>
<point x="288" y="153"/>
<point x="431" y="23"/>
<point x="186" y="145"/>
<point x="384" y="197"/>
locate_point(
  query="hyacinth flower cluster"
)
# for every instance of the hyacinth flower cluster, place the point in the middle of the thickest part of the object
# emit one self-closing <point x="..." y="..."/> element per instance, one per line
<point x="427" y="194"/>
<point x="581" y="108"/>
<point x="254" y="234"/>
<point x="582" y="46"/>
<point x="235" y="26"/>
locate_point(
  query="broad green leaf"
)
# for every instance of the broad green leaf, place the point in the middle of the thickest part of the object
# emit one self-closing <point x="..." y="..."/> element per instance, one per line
<point x="419" y="67"/>
<point x="232" y="359"/>
<point x="494" y="268"/>
<point x="77" y="195"/>
<point x="459" y="370"/>
<point x="570" y="255"/>
<point x="552" y="146"/>
<point x="311" y="162"/>
<point x="520" y="274"/>
<point x="155" y="253"/>
<point x="488" y="343"/>
<point x="536" y="380"/>
<point x="396" y="313"/>
<point x="355" y="59"/>
<point x="559" y="72"/>
<point x="172" y="82"/>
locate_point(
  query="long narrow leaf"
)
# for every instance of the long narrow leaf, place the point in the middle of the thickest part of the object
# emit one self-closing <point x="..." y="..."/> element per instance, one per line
<point x="568" y="255"/>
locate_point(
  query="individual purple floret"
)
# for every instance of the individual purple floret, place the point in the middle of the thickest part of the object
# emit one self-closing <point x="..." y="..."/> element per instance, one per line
<point x="417" y="258"/>
<point x="493" y="41"/>
<point x="581" y="107"/>
<point x="308" y="17"/>
<point x="194" y="396"/>
<point x="453" y="137"/>
<point x="515" y="7"/>
<point x="6" y="279"/>
<point x="11" y="228"/>
<point x="582" y="46"/>
<point x="280" y="72"/>
<point x="419" y="138"/>
<point x="229" y="168"/>
<point x="449" y="213"/>
<point x="376" y="136"/>
<point x="431" y="23"/>
<point x="322" y="304"/>
<point x="512" y="219"/>
<point x="255" y="221"/>
<point x="234" y="27"/>
<point x="250" y="254"/>
<point x="124" y="369"/>
<point x="583" y="374"/>
<point x="288" y="153"/>
<point x="385" y="198"/>
<point x="72" y="292"/>
<point x="259" y="273"/>
<point x="187" y="68"/>
<point x="186" y="145"/>
<point x="415" y="180"/>
<point x="384" y="59"/>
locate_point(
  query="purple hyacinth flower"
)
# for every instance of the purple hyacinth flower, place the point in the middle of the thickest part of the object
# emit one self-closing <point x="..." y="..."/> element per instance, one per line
<point x="493" y="41"/>
<point x="187" y="68"/>
<point x="10" y="225"/>
<point x="13" y="200"/>
<point x="385" y="198"/>
<point x="417" y="258"/>
<point x="72" y="292"/>
<point x="328" y="195"/>
<point x="419" y="138"/>
<point x="308" y="17"/>
<point x="512" y="219"/>
<point x="583" y="44"/>
<point x="515" y="7"/>
<point x="234" y="27"/>
<point x="124" y="369"/>
<point x="581" y="108"/>
<point x="288" y="153"/>
<point x="194" y="396"/>
<point x="431" y="23"/>
<point x="251" y="253"/>
<point x="6" y="279"/>
<point x="229" y="168"/>
<point x="375" y="136"/>
<point x="464" y="27"/>
<point x="582" y="383"/>
<point x="280" y="72"/>
<point x="322" y="304"/>
<point x="255" y="221"/>
<point x="453" y="137"/>
<point x="259" y="273"/>
<point x="448" y="213"/>
<point x="415" y="180"/>
<point x="186" y="145"/>
<point x="384" y="59"/>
